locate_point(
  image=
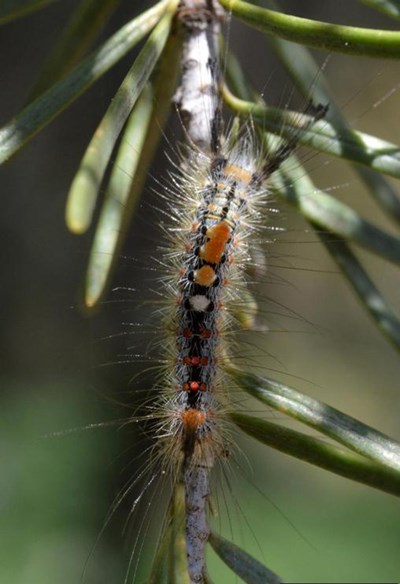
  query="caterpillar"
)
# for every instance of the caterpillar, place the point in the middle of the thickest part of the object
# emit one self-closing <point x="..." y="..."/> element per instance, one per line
<point x="226" y="192"/>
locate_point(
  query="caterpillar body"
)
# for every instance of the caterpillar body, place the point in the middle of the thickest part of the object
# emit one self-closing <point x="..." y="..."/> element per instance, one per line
<point x="228" y="193"/>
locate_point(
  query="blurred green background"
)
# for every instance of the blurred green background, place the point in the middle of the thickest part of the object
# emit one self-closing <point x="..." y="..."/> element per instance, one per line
<point x="62" y="371"/>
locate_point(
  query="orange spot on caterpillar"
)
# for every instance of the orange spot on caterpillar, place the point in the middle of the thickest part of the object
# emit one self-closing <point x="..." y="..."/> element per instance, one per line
<point x="187" y="333"/>
<point x="205" y="276"/>
<point x="217" y="236"/>
<point x="192" y="419"/>
<point x="240" y="174"/>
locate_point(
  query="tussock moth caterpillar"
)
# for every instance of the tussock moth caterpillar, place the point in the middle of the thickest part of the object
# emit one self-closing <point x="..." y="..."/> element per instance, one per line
<point x="136" y="254"/>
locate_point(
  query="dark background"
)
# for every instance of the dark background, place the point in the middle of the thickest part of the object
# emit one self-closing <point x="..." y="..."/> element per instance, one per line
<point x="59" y="366"/>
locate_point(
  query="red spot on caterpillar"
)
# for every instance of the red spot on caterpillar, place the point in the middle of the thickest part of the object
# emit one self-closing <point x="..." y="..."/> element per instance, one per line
<point x="187" y="333"/>
<point x="194" y="386"/>
<point x="206" y="333"/>
<point x="195" y="361"/>
<point x="214" y="247"/>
